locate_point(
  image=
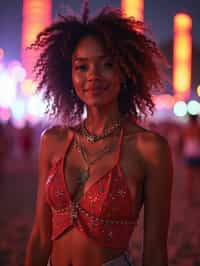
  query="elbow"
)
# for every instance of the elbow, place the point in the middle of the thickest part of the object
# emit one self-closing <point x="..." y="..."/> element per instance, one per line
<point x="38" y="241"/>
<point x="38" y="249"/>
<point x="41" y="238"/>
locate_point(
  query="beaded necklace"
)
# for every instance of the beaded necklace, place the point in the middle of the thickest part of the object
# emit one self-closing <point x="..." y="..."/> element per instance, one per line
<point x="88" y="163"/>
<point x="92" y="138"/>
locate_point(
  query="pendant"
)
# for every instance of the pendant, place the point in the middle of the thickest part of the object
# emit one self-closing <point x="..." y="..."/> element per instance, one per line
<point x="83" y="176"/>
<point x="91" y="139"/>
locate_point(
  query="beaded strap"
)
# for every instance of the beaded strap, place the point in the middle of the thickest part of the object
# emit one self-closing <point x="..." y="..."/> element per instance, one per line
<point x="75" y="209"/>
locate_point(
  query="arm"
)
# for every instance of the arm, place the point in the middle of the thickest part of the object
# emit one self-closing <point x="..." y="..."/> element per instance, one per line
<point x="39" y="244"/>
<point x="157" y="199"/>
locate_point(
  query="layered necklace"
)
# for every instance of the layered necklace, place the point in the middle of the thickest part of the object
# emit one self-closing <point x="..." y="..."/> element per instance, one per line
<point x="93" y="138"/>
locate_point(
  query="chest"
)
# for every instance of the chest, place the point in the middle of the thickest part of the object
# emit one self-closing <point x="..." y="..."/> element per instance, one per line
<point x="125" y="158"/>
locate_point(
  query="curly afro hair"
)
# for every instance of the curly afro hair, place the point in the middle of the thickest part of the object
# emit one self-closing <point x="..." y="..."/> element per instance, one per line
<point x="138" y="56"/>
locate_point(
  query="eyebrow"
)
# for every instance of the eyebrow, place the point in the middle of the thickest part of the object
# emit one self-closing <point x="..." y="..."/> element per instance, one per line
<point x="86" y="58"/>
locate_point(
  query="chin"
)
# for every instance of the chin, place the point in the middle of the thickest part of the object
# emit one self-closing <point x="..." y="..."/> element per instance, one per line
<point x="95" y="103"/>
<point x="99" y="102"/>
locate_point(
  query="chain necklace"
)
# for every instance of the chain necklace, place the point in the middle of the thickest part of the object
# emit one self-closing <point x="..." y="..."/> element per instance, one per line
<point x="92" y="138"/>
<point x="88" y="163"/>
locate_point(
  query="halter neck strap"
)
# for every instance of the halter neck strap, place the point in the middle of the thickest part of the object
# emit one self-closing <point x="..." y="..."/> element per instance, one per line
<point x="120" y="144"/>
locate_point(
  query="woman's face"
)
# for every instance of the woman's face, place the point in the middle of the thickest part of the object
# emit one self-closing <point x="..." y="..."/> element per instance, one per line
<point x="96" y="77"/>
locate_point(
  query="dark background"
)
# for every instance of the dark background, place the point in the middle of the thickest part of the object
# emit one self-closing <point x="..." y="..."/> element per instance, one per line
<point x="158" y="15"/>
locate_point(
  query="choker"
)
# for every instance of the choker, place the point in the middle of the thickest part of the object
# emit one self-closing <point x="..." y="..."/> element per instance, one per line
<point x="92" y="138"/>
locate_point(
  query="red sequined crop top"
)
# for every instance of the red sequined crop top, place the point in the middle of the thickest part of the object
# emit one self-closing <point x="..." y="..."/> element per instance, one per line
<point x="103" y="213"/>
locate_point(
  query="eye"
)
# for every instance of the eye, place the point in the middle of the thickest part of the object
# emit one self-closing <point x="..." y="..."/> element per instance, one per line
<point x="82" y="67"/>
<point x="108" y="64"/>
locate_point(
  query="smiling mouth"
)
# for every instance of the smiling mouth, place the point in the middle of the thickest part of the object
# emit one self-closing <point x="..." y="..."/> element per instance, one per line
<point x="95" y="90"/>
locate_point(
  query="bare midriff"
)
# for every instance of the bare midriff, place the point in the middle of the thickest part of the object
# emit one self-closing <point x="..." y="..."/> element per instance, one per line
<point x="73" y="248"/>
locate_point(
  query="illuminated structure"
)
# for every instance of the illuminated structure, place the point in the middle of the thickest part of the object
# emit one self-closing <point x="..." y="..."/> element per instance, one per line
<point x="198" y="90"/>
<point x="134" y="8"/>
<point x="36" y="16"/>
<point x="182" y="56"/>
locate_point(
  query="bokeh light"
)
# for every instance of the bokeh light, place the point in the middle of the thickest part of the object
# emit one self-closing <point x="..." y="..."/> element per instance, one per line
<point x="164" y="101"/>
<point x="8" y="87"/>
<point x="28" y="87"/>
<point x="36" y="107"/>
<point x="1" y="54"/>
<point x="2" y="68"/>
<point x="18" y="73"/>
<point x="198" y="90"/>
<point x="182" y="55"/>
<point x="18" y="109"/>
<point x="133" y="8"/>
<point x="183" y="21"/>
<point x="193" y="107"/>
<point x="180" y="108"/>
<point x="5" y="114"/>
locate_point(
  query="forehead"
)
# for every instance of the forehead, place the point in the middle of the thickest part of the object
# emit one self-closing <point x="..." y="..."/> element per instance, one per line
<point x="89" y="47"/>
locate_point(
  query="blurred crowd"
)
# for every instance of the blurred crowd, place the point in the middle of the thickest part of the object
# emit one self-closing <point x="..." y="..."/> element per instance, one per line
<point x="184" y="140"/>
<point x="18" y="143"/>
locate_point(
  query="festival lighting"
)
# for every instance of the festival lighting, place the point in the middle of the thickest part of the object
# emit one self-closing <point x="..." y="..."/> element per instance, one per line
<point x="18" y="109"/>
<point x="164" y="101"/>
<point x="36" y="16"/>
<point x="193" y="107"/>
<point x="19" y="123"/>
<point x="18" y="73"/>
<point x="28" y="87"/>
<point x="5" y="114"/>
<point x="8" y="86"/>
<point x="1" y="54"/>
<point x="2" y="68"/>
<point x="180" y="108"/>
<point x="198" y="90"/>
<point x="182" y="55"/>
<point x="36" y="107"/>
<point x="133" y="8"/>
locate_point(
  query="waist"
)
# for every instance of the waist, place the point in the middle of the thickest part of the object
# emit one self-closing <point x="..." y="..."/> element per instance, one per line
<point x="75" y="249"/>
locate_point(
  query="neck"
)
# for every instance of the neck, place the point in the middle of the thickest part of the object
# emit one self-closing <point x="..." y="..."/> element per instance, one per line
<point x="99" y="119"/>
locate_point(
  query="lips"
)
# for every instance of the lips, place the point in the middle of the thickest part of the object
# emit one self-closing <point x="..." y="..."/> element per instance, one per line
<point x="95" y="88"/>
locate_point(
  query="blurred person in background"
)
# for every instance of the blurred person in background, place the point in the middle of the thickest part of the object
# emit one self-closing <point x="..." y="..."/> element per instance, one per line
<point x="96" y="172"/>
<point x="173" y="135"/>
<point x="190" y="145"/>
<point x="26" y="140"/>
<point x="3" y="150"/>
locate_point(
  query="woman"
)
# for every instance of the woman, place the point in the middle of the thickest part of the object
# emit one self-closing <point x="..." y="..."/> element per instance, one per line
<point x="95" y="176"/>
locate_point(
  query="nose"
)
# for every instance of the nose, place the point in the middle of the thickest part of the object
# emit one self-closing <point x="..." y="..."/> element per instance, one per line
<point x="93" y="73"/>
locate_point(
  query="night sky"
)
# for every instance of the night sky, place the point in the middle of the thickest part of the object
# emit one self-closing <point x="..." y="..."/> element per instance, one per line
<point x="158" y="15"/>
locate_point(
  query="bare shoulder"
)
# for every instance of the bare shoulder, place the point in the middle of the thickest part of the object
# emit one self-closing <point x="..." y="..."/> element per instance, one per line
<point x="153" y="140"/>
<point x="54" y="139"/>
<point x="134" y="130"/>
<point x="55" y="133"/>
<point x="150" y="144"/>
<point x="157" y="157"/>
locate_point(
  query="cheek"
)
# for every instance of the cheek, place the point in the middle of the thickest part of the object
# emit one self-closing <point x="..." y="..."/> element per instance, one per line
<point x="77" y="80"/>
<point x="78" y="84"/>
